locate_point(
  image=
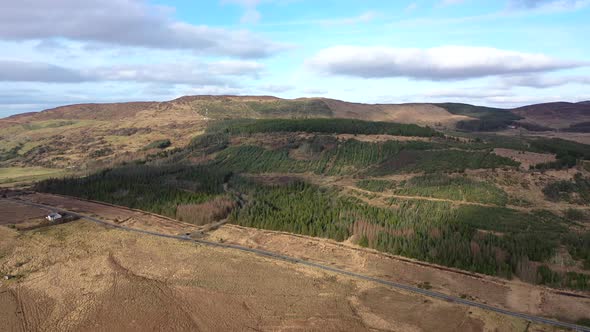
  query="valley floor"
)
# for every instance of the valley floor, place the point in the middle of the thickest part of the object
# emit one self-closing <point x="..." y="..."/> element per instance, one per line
<point x="81" y="276"/>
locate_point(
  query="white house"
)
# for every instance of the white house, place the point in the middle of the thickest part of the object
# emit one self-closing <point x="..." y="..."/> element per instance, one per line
<point x="53" y="216"/>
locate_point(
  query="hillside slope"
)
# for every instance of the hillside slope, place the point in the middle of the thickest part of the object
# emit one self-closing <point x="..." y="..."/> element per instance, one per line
<point x="557" y="115"/>
<point x="422" y="114"/>
<point x="96" y="135"/>
<point x="489" y="204"/>
<point x="75" y="135"/>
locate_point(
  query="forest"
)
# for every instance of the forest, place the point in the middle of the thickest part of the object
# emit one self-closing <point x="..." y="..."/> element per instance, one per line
<point x="352" y="156"/>
<point x="447" y="151"/>
<point x="437" y="185"/>
<point x="486" y="118"/>
<point x="476" y="232"/>
<point x="491" y="240"/>
<point x="158" y="189"/>
<point x="319" y="125"/>
<point x="567" y="152"/>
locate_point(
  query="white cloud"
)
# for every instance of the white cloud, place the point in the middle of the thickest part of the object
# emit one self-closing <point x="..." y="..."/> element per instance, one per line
<point x="521" y="100"/>
<point x="314" y="91"/>
<point x="125" y="23"/>
<point x="451" y="2"/>
<point x="482" y="96"/>
<point x="542" y="81"/>
<point x="472" y="93"/>
<point x="549" y="5"/>
<point x="361" y="18"/>
<point x="244" y="3"/>
<point x="214" y="90"/>
<point x="235" y="68"/>
<point x="26" y="71"/>
<point x="411" y="6"/>
<point x="251" y="14"/>
<point x="439" y="63"/>
<point x="214" y="73"/>
<point x="276" y="88"/>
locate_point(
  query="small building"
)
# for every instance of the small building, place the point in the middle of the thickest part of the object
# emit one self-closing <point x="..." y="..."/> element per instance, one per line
<point x="53" y="216"/>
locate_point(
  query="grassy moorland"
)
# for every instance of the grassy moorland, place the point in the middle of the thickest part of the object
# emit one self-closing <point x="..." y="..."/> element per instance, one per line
<point x="27" y="174"/>
<point x="456" y="188"/>
<point x="255" y="108"/>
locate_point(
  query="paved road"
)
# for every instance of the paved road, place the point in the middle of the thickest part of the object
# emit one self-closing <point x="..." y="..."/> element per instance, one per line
<point x="273" y="255"/>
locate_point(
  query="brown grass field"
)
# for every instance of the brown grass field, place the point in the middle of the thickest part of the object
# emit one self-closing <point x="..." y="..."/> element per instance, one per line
<point x="82" y="276"/>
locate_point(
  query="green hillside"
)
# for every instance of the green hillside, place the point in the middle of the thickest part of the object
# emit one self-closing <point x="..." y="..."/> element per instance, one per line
<point x="420" y="193"/>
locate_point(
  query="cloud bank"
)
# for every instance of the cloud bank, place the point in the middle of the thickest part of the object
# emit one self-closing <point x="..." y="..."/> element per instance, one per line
<point x="437" y="64"/>
<point x="23" y="71"/>
<point x="213" y="73"/>
<point x="125" y="23"/>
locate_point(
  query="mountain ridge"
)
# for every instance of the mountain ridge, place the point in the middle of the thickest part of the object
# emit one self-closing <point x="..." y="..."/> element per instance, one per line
<point x="93" y="132"/>
<point x="107" y="107"/>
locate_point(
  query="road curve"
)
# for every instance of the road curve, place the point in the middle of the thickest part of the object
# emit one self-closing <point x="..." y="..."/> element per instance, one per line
<point x="285" y="258"/>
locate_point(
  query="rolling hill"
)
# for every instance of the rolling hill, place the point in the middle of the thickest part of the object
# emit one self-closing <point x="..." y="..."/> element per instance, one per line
<point x="443" y="184"/>
<point x="498" y="205"/>
<point x="558" y="115"/>
<point x="93" y="135"/>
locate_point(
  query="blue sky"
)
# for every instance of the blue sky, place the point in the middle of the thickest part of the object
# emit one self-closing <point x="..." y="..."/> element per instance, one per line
<point x="502" y="53"/>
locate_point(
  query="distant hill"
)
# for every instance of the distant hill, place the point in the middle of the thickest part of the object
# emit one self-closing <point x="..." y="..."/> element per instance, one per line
<point x="73" y="135"/>
<point x="87" y="112"/>
<point x="222" y="107"/>
<point x="556" y="115"/>
<point x="481" y="118"/>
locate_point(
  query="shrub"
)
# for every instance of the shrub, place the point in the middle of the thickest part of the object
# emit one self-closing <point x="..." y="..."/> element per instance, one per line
<point x="204" y="213"/>
<point x="375" y="185"/>
<point x="159" y="144"/>
<point x="576" y="191"/>
<point x="455" y="188"/>
<point x="101" y="152"/>
<point x="575" y="214"/>
<point x="364" y="241"/>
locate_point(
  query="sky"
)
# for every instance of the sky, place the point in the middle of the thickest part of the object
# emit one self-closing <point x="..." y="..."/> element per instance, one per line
<point x="502" y="53"/>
